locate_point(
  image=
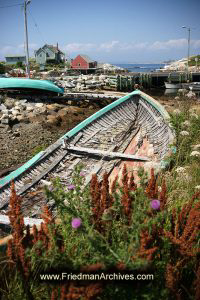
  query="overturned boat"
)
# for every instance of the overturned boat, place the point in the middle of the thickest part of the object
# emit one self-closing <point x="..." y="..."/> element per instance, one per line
<point x="26" y="84"/>
<point x="134" y="130"/>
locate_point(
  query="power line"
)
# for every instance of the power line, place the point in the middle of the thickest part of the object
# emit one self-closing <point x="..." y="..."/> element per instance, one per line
<point x="36" y="25"/>
<point x="11" y="5"/>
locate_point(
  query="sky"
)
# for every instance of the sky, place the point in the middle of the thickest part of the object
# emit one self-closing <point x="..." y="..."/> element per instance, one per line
<point x="120" y="31"/>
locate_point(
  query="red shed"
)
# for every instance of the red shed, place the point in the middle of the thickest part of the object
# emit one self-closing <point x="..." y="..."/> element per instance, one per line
<point x="83" y="62"/>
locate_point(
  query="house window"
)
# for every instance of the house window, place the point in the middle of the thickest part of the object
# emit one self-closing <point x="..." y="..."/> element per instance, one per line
<point x="79" y="64"/>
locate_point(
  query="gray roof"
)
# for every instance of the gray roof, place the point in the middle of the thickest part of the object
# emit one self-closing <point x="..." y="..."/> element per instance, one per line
<point x="51" y="47"/>
<point x="86" y="58"/>
<point x="54" y="48"/>
<point x="15" y="55"/>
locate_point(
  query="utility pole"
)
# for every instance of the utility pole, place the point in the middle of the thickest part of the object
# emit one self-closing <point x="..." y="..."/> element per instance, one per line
<point x="26" y="2"/>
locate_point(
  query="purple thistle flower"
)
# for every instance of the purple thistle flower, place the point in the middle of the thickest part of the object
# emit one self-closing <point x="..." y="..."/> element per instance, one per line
<point x="76" y="223"/>
<point x="155" y="204"/>
<point x="71" y="187"/>
<point x="82" y="174"/>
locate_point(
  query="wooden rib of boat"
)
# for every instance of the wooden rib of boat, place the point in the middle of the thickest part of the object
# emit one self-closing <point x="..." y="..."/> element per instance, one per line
<point x="134" y="130"/>
<point x="29" y="84"/>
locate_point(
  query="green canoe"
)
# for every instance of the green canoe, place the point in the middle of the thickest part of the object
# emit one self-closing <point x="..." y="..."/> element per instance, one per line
<point x="25" y="83"/>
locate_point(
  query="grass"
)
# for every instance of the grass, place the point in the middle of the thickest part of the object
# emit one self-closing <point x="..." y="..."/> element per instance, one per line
<point x="120" y="230"/>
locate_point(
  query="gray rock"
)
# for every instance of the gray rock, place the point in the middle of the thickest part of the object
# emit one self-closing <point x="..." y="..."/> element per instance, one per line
<point x="5" y="121"/>
<point x="17" y="107"/>
<point x="31" y="115"/>
<point x="15" y="112"/>
<point x="54" y="120"/>
<point x="41" y="110"/>
<point x="3" y="107"/>
<point x="21" y="118"/>
<point x="5" y="111"/>
<point x="4" y="116"/>
<point x="39" y="105"/>
<point x="29" y="108"/>
<point x="9" y="103"/>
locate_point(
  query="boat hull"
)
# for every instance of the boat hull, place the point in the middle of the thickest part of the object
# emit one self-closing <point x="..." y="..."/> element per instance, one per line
<point x="173" y="85"/>
<point x="133" y="130"/>
<point x="195" y="86"/>
<point x="29" y="84"/>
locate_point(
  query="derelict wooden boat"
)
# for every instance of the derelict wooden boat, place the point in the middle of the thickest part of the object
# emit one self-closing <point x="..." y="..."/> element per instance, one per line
<point x="172" y="85"/>
<point x="27" y="84"/>
<point x="133" y="130"/>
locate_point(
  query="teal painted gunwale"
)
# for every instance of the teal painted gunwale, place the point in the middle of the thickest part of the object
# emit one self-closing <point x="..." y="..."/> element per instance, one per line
<point x="83" y="124"/>
<point x="98" y="114"/>
<point x="20" y="170"/>
<point x="30" y="84"/>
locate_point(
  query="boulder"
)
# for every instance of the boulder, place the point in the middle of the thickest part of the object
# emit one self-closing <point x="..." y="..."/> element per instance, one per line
<point x="4" y="116"/>
<point x="62" y="114"/>
<point x="17" y="107"/>
<point x="53" y="120"/>
<point x="2" y="107"/>
<point x="15" y="112"/>
<point x="9" y="102"/>
<point x="22" y="118"/>
<point x="39" y="105"/>
<point x="29" y="108"/>
<point x="5" y="111"/>
<point x="5" y="121"/>
<point x="53" y="107"/>
<point x="31" y="115"/>
<point x="41" y="110"/>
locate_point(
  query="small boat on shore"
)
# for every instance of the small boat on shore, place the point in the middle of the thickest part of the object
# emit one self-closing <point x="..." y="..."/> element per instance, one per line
<point x="26" y="84"/>
<point x="171" y="85"/>
<point x="133" y="130"/>
<point x="194" y="86"/>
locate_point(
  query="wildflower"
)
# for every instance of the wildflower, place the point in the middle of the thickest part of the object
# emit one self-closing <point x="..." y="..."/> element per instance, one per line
<point x="180" y="170"/>
<point x="190" y="95"/>
<point x="197" y="187"/>
<point x="195" y="153"/>
<point x="177" y="111"/>
<point x="71" y="187"/>
<point x="186" y="123"/>
<point x="193" y="115"/>
<point x="184" y="133"/>
<point x="196" y="147"/>
<point x="155" y="204"/>
<point x="76" y="223"/>
<point x="82" y="174"/>
<point x="177" y="98"/>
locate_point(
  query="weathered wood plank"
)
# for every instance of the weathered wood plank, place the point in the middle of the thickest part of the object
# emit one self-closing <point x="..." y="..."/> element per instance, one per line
<point x="95" y="170"/>
<point x="77" y="138"/>
<point x="107" y="153"/>
<point x="91" y="136"/>
<point x="27" y="221"/>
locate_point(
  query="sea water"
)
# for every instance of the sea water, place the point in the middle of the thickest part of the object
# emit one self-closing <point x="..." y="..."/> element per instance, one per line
<point x="144" y="68"/>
